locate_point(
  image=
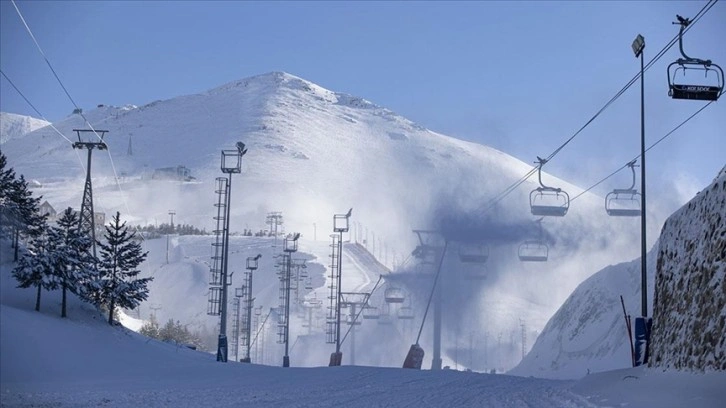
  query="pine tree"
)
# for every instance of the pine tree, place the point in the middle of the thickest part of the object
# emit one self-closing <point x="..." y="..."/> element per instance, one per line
<point x="19" y="213"/>
<point x="35" y="266"/>
<point x="73" y="262"/>
<point x="120" y="257"/>
<point x="150" y="328"/>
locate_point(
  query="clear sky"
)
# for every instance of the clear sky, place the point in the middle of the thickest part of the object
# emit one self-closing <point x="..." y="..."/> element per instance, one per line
<point x="519" y="76"/>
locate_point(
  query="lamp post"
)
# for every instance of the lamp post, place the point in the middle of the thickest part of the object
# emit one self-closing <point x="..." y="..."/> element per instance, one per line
<point x="341" y="224"/>
<point x="642" y="323"/>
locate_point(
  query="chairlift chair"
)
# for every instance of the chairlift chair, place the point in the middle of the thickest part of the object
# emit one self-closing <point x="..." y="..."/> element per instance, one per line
<point x="548" y="201"/>
<point x="352" y="321"/>
<point x="370" y="313"/>
<point x="405" y="313"/>
<point x="534" y="250"/>
<point x="473" y="255"/>
<point x="394" y="295"/>
<point x="624" y="202"/>
<point x="694" y="92"/>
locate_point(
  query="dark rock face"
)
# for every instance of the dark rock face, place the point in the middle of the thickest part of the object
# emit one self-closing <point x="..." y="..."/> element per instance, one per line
<point x="689" y="317"/>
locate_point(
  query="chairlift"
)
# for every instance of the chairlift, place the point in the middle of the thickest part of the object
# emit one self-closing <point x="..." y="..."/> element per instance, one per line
<point x="473" y="254"/>
<point x="405" y="313"/>
<point x="308" y="284"/>
<point x="694" y="92"/>
<point x="534" y="250"/>
<point x="370" y="313"/>
<point x="624" y="202"/>
<point x="352" y="321"/>
<point x="394" y="295"/>
<point x="548" y="201"/>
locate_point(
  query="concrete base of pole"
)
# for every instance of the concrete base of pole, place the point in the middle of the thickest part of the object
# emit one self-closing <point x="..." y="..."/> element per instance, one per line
<point x="286" y="361"/>
<point x="335" y="359"/>
<point x="414" y="358"/>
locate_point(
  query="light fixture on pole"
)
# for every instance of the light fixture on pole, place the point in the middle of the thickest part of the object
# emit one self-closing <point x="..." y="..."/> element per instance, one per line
<point x="642" y="323"/>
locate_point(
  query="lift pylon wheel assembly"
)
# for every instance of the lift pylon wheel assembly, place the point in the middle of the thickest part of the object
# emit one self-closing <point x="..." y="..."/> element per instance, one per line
<point x="624" y="202"/>
<point x="707" y="92"/>
<point x="534" y="250"/>
<point x="548" y="201"/>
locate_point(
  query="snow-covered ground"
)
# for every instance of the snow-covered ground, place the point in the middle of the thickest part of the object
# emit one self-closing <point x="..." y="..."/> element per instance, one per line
<point x="81" y="361"/>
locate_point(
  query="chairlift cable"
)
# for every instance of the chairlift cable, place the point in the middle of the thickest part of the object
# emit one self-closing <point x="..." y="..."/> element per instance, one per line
<point x="499" y="197"/>
<point x="650" y="147"/>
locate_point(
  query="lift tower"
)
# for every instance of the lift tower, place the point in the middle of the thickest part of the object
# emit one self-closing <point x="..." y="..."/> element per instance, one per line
<point x="85" y="137"/>
<point x="341" y="224"/>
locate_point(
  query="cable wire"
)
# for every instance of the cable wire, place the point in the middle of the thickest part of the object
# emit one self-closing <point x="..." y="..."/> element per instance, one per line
<point x="499" y="197"/>
<point x="638" y="156"/>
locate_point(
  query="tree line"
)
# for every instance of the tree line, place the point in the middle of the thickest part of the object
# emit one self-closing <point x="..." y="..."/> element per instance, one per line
<point x="61" y="256"/>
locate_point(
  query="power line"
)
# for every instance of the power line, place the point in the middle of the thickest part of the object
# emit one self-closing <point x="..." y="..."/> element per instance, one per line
<point x="108" y="150"/>
<point x="499" y="197"/>
<point x="650" y="147"/>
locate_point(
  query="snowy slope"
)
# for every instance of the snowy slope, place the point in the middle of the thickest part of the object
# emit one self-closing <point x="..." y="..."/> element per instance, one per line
<point x="82" y="361"/>
<point x="689" y="319"/>
<point x="588" y="333"/>
<point x="313" y="153"/>
<point x="13" y="126"/>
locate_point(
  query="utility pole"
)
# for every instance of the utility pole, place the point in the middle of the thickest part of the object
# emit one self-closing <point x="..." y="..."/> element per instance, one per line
<point x="341" y="224"/>
<point x="171" y="214"/>
<point x="252" y="264"/>
<point x="274" y="220"/>
<point x="642" y="323"/>
<point x="220" y="277"/>
<point x="290" y="246"/>
<point x="87" y="222"/>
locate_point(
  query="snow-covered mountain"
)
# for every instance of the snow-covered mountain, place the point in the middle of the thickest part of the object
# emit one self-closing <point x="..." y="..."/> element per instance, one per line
<point x="689" y="319"/>
<point x="313" y="153"/>
<point x="13" y="126"/>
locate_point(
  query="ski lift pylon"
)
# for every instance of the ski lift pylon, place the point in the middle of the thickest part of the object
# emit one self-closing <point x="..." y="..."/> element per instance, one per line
<point x="624" y="202"/>
<point x="548" y="201"/>
<point x="694" y="92"/>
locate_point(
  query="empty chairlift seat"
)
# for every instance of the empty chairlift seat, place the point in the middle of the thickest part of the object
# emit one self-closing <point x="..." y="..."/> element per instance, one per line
<point x="710" y="91"/>
<point x="473" y="254"/>
<point x="533" y="251"/>
<point x="370" y="313"/>
<point x="624" y="202"/>
<point x="394" y="295"/>
<point x="547" y="201"/>
<point x="405" y="313"/>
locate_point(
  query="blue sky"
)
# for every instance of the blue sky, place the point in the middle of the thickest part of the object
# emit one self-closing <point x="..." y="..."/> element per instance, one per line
<point x="518" y="76"/>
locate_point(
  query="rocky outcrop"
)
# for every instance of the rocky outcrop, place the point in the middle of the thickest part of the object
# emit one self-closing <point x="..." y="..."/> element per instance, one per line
<point x="689" y="317"/>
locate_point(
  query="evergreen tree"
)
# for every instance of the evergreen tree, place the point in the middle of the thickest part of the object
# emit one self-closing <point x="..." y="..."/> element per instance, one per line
<point x="19" y="213"/>
<point x="115" y="285"/>
<point x="73" y="262"/>
<point x="150" y="328"/>
<point x="35" y="266"/>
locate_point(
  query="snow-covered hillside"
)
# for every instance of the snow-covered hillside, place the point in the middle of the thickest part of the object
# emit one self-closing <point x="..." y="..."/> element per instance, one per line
<point x="314" y="153"/>
<point x="588" y="333"/>
<point x="689" y="319"/>
<point x="14" y="126"/>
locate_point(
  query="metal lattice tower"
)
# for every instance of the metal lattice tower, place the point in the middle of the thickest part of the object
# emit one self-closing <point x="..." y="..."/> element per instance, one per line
<point x="87" y="223"/>
<point x="333" y="297"/>
<point x="341" y="224"/>
<point x="252" y="264"/>
<point x="215" y="271"/>
<point x="235" y="323"/>
<point x="289" y="248"/>
<point x="274" y="220"/>
<point x="220" y="278"/>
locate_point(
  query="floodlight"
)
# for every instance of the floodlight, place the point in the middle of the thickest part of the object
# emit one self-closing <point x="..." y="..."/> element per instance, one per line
<point x="638" y="45"/>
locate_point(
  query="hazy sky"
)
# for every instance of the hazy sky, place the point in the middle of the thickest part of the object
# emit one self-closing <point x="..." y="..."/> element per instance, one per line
<point x="518" y="76"/>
